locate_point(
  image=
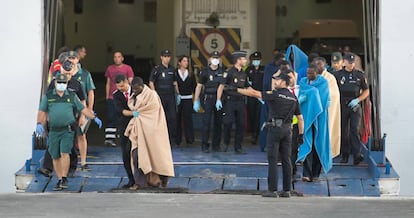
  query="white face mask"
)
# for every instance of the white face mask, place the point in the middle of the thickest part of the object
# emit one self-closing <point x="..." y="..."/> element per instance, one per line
<point x="61" y="86"/>
<point x="256" y="63"/>
<point x="215" y="61"/>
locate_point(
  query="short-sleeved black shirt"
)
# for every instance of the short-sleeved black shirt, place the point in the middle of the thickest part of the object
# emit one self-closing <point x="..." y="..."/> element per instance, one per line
<point x="73" y="86"/>
<point x="211" y="79"/>
<point x="350" y="83"/>
<point x="234" y="77"/>
<point x="282" y="104"/>
<point x="256" y="77"/>
<point x="163" y="78"/>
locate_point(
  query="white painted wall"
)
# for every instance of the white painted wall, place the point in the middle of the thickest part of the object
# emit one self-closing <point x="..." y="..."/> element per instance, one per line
<point x="397" y="56"/>
<point x="21" y="61"/>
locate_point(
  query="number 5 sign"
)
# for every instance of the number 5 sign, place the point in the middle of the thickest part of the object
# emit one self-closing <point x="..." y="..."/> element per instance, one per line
<point x="214" y="41"/>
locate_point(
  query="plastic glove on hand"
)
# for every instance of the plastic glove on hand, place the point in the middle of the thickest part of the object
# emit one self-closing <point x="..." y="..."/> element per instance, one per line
<point x="178" y="99"/>
<point x="261" y="100"/>
<point x="300" y="139"/>
<point x="302" y="98"/>
<point x="219" y="105"/>
<point x="98" y="122"/>
<point x="39" y="129"/>
<point x="196" y="106"/>
<point x="135" y="113"/>
<point x="353" y="103"/>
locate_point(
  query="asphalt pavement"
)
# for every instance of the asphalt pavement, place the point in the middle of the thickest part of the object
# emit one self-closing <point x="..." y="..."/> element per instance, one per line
<point x="198" y="205"/>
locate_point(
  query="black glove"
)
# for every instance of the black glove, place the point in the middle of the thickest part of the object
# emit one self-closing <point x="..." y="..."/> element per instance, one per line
<point x="230" y="88"/>
<point x="300" y="139"/>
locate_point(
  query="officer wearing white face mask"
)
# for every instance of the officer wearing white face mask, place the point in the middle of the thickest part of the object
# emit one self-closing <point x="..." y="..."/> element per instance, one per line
<point x="255" y="74"/>
<point x="210" y="78"/>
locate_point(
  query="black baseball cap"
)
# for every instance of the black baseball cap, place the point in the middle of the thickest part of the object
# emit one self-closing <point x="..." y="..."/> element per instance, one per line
<point x="257" y="55"/>
<point x="350" y="57"/>
<point x="336" y="56"/>
<point x="166" y="52"/>
<point x="215" y="54"/>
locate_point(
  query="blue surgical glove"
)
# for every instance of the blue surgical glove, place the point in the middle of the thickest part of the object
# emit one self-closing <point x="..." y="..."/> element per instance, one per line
<point x="196" y="106"/>
<point x="261" y="100"/>
<point x="353" y="103"/>
<point x="98" y="122"/>
<point x="135" y="113"/>
<point x="178" y="99"/>
<point x="219" y="105"/>
<point x="39" y="129"/>
<point x="250" y="82"/>
<point x="302" y="98"/>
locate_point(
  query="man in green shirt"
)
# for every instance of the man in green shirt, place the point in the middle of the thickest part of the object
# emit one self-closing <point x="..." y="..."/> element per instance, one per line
<point x="59" y="105"/>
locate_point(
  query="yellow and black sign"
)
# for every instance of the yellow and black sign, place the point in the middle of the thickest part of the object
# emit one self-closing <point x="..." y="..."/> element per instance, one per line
<point x="206" y="40"/>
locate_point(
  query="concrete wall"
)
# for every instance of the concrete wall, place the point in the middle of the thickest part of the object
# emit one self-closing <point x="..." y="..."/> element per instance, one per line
<point x="21" y="44"/>
<point x="397" y="56"/>
<point x="118" y="27"/>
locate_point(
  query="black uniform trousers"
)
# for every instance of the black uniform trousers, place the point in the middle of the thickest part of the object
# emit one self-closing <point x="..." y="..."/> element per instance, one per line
<point x="295" y="147"/>
<point x="279" y="140"/>
<point x="126" y="154"/>
<point x="185" y="121"/>
<point x="234" y="112"/>
<point x="312" y="164"/>
<point x="254" y="108"/>
<point x="350" y="121"/>
<point x="170" y="109"/>
<point x="209" y="111"/>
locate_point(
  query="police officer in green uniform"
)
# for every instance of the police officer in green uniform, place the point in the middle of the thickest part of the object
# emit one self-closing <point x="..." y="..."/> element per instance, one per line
<point x="58" y="105"/>
<point x="210" y="78"/>
<point x="233" y="110"/>
<point x="282" y="106"/>
<point x="353" y="88"/>
<point x="163" y="79"/>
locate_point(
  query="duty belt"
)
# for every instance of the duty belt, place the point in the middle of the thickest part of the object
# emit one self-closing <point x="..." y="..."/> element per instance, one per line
<point x="57" y="129"/>
<point x="273" y="123"/>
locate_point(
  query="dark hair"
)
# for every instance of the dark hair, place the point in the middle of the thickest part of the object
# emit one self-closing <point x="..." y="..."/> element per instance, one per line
<point x="119" y="53"/>
<point x="312" y="56"/>
<point x="286" y="71"/>
<point x="120" y="78"/>
<point x="320" y="59"/>
<point x="314" y="67"/>
<point x="279" y="58"/>
<point x="320" y="63"/>
<point x="78" y="47"/>
<point x="283" y="62"/>
<point x="137" y="81"/>
<point x="62" y="49"/>
<point x="180" y="58"/>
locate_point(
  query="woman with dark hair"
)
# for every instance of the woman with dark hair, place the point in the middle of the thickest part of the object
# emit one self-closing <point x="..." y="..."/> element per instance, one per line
<point x="186" y="85"/>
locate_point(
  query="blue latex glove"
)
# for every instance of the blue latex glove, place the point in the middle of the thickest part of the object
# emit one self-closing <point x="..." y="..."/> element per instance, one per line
<point x="261" y="100"/>
<point x="302" y="98"/>
<point x="353" y="103"/>
<point x="219" y="105"/>
<point x="135" y="113"/>
<point x="178" y="99"/>
<point x="39" y="129"/>
<point x="196" y="106"/>
<point x="98" y="122"/>
<point x="250" y="82"/>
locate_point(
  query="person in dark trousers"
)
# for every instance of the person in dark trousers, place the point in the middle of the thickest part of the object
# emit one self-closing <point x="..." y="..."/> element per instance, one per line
<point x="234" y="109"/>
<point x="121" y="97"/>
<point x="209" y="79"/>
<point x="353" y="87"/>
<point x="282" y="106"/>
<point x="76" y="87"/>
<point x="163" y="80"/>
<point x="186" y="85"/>
<point x="255" y="73"/>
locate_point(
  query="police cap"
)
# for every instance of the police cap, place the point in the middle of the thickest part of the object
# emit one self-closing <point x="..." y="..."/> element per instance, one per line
<point x="350" y="57"/>
<point x="61" y="78"/>
<point x="336" y="56"/>
<point x="166" y="52"/>
<point x="215" y="54"/>
<point x="284" y="77"/>
<point x="256" y="55"/>
<point x="239" y="54"/>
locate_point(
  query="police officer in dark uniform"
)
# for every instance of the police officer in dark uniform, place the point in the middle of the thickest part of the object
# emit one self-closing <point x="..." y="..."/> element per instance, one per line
<point x="255" y="73"/>
<point x="353" y="87"/>
<point x="282" y="106"/>
<point x="164" y="80"/>
<point x="210" y="78"/>
<point x="233" y="110"/>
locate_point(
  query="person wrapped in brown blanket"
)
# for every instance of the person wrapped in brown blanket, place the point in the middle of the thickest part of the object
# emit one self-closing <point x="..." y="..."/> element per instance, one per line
<point x="151" y="157"/>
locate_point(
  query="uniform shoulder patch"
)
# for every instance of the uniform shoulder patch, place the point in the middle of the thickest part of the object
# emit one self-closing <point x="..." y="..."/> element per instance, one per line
<point x="269" y="92"/>
<point x="225" y="75"/>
